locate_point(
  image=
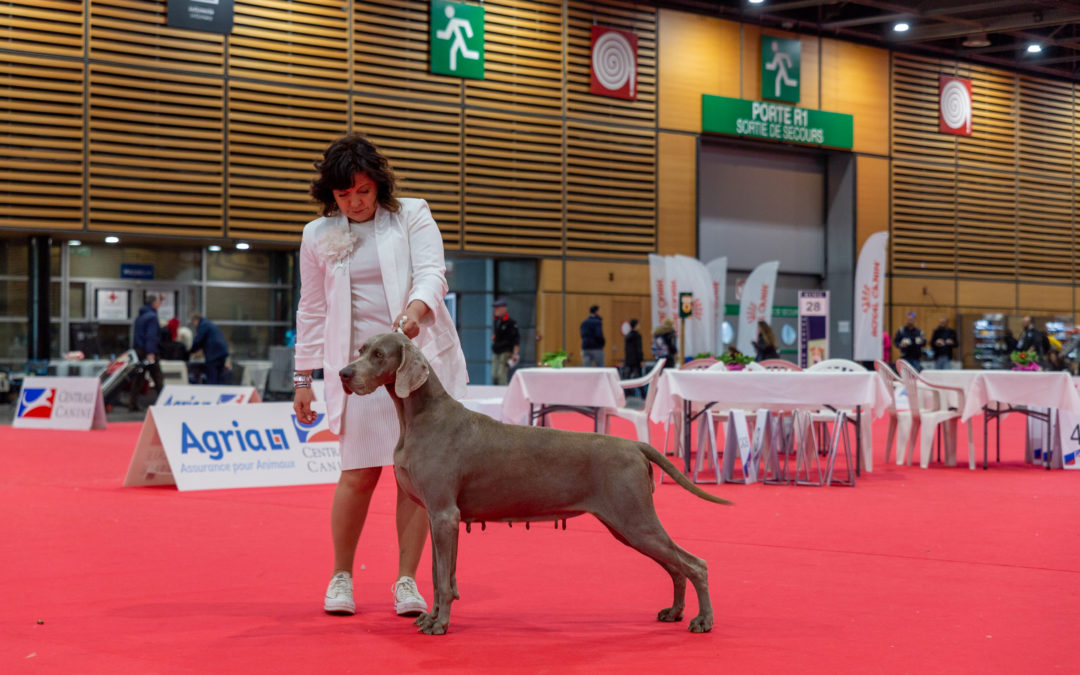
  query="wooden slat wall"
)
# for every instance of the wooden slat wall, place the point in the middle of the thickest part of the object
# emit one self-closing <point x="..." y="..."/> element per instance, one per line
<point x="303" y="42"/>
<point x="274" y="134"/>
<point x="156" y="151"/>
<point x="1000" y="204"/>
<point x="197" y="133"/>
<point x="43" y="26"/>
<point x="133" y="32"/>
<point x="41" y="154"/>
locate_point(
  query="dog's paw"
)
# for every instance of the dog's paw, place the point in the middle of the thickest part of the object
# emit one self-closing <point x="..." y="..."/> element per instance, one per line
<point x="435" y="628"/>
<point x="421" y="619"/>
<point x="669" y="614"/>
<point x="700" y="624"/>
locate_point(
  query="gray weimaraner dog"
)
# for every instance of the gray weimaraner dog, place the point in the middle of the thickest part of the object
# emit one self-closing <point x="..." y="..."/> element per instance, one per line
<point x="465" y="466"/>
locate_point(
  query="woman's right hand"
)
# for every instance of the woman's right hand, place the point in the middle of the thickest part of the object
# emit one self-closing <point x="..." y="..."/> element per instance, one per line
<point x="302" y="399"/>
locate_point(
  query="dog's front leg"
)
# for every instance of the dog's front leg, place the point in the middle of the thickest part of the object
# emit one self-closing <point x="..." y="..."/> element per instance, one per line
<point x="444" y="525"/>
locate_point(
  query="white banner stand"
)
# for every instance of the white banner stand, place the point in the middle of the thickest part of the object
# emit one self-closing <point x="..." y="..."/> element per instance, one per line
<point x="840" y="434"/>
<point x="226" y="446"/>
<point x="737" y="443"/>
<point x="770" y="471"/>
<point x="60" y="403"/>
<point x="1069" y="434"/>
<point x="706" y="430"/>
<point x="806" y="451"/>
<point x="206" y="394"/>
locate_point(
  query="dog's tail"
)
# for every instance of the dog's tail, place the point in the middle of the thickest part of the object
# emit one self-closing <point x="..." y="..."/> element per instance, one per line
<point x="670" y="469"/>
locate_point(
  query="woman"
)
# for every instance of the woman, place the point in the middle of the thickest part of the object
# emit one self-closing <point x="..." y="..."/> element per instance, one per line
<point x="371" y="264"/>
<point x="765" y="344"/>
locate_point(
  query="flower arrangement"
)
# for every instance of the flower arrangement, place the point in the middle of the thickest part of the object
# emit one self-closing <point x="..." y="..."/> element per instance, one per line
<point x="336" y="244"/>
<point x="736" y="359"/>
<point x="1026" y="360"/>
<point x="553" y="359"/>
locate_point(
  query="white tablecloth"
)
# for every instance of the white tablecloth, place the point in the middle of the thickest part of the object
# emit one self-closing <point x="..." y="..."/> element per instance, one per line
<point x="776" y="390"/>
<point x="1013" y="387"/>
<point x="486" y="399"/>
<point x="588" y="387"/>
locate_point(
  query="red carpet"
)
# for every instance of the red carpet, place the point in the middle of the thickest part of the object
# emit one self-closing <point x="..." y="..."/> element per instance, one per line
<point x="943" y="570"/>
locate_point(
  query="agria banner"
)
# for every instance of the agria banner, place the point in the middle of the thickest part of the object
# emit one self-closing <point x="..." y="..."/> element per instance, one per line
<point x="776" y="122"/>
<point x="233" y="446"/>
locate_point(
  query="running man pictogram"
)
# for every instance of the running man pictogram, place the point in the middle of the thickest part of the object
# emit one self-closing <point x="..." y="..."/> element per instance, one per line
<point x="460" y="29"/>
<point x="780" y="63"/>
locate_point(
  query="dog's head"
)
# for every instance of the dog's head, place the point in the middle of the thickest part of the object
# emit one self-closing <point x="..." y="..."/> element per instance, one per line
<point x="386" y="358"/>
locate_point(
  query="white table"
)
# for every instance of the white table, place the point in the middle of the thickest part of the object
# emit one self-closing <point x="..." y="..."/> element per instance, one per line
<point x="534" y="393"/>
<point x="78" y="368"/>
<point x="985" y="391"/>
<point x="486" y="399"/>
<point x="775" y="390"/>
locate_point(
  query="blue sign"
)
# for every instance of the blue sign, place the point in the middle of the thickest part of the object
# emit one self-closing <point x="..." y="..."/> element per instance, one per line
<point x="132" y="271"/>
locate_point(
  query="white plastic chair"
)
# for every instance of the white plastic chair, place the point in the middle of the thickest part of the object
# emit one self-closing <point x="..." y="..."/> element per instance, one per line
<point x="822" y="418"/>
<point x="779" y="364"/>
<point x="927" y="412"/>
<point x="899" y="419"/>
<point x="639" y="418"/>
<point x="174" y="372"/>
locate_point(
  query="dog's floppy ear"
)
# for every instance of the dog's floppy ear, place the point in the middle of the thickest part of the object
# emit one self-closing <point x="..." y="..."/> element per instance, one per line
<point x="412" y="372"/>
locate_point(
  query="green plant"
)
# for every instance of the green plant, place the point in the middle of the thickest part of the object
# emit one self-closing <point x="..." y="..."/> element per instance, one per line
<point x="736" y="358"/>
<point x="1025" y="360"/>
<point x="704" y="355"/>
<point x="553" y="359"/>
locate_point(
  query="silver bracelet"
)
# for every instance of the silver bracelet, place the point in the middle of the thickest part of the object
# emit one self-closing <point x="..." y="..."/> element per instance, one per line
<point x="301" y="380"/>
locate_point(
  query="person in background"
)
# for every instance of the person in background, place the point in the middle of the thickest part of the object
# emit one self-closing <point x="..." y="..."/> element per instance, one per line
<point x="209" y="338"/>
<point x="633" y="355"/>
<point x="765" y="344"/>
<point x="1033" y="338"/>
<point x="910" y="340"/>
<point x="373" y="263"/>
<point x="147" y="341"/>
<point x="505" y="344"/>
<point x="592" y="339"/>
<point x="943" y="341"/>
<point x="663" y="343"/>
<point x="171" y="348"/>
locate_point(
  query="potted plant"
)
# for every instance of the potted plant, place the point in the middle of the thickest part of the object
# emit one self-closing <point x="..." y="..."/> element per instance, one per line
<point x="553" y="359"/>
<point x="735" y="361"/>
<point x="1026" y="360"/>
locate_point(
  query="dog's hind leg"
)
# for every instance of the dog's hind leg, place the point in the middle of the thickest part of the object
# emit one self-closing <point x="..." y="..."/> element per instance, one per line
<point x="646" y="534"/>
<point x="444" y="540"/>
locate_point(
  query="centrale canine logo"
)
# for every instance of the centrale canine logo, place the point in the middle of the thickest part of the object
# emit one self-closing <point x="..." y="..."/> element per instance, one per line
<point x="36" y="403"/>
<point x="312" y="433"/>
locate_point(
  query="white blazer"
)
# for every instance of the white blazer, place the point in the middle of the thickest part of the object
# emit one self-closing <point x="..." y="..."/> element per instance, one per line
<point x="410" y="252"/>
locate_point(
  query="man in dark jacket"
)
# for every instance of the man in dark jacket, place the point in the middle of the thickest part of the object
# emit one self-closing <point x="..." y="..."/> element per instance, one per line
<point x="146" y="341"/>
<point x="910" y="341"/>
<point x="505" y="344"/>
<point x="943" y="341"/>
<point x="1033" y="338"/>
<point x="209" y="338"/>
<point x="634" y="355"/>
<point x="592" y="339"/>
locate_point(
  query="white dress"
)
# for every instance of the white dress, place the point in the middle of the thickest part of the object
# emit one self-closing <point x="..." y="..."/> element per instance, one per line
<point x="370" y="427"/>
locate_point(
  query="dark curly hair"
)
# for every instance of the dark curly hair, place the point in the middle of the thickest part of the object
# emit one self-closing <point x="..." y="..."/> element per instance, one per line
<point x="345" y="157"/>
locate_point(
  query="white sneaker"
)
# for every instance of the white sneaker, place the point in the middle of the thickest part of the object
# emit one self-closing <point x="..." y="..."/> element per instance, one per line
<point x="339" y="599"/>
<point x="407" y="598"/>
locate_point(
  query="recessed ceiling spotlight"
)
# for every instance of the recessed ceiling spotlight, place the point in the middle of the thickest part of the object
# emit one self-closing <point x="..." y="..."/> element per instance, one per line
<point x="74" y="242"/>
<point x="112" y="240"/>
<point x="243" y="245"/>
<point x="901" y="27"/>
<point x="1034" y="48"/>
<point x="213" y="247"/>
<point x="756" y="2"/>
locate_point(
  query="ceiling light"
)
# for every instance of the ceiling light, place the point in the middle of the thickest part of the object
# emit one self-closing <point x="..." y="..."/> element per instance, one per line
<point x="977" y="40"/>
<point x="213" y="247"/>
<point x="901" y="27"/>
<point x="756" y="2"/>
<point x="74" y="242"/>
<point x="243" y="245"/>
<point x="1034" y="48"/>
<point x="112" y="240"/>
